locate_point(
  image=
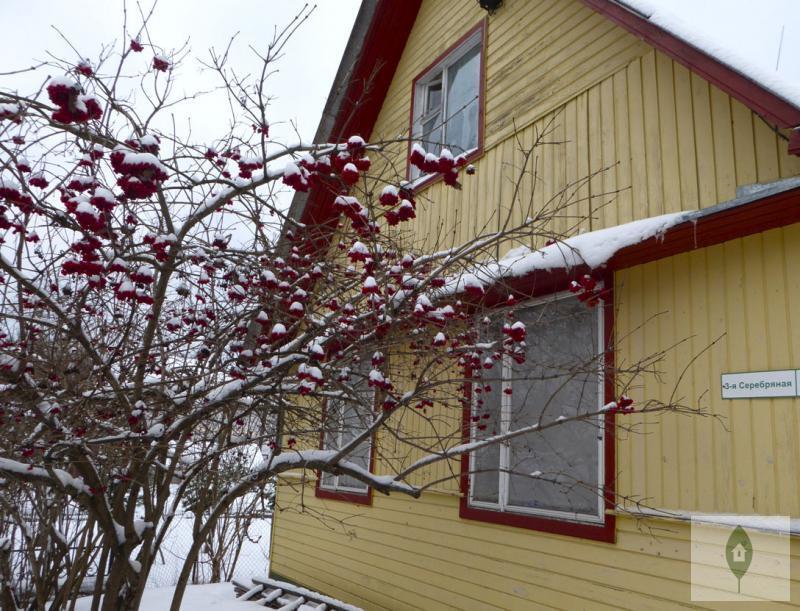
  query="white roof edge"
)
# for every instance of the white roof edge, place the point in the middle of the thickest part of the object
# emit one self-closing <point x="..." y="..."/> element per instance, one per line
<point x="760" y="41"/>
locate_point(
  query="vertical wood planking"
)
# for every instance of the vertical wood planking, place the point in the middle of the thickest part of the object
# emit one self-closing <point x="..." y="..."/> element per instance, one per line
<point x="668" y="134"/>
<point x="687" y="155"/>
<point x="625" y="212"/>
<point x="652" y="136"/>
<point x="704" y="142"/>
<point x="609" y="214"/>
<point x="744" y="146"/>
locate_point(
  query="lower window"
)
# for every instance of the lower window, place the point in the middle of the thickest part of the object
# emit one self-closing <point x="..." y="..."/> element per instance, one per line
<point x="343" y="423"/>
<point x="346" y="418"/>
<point x="558" y="473"/>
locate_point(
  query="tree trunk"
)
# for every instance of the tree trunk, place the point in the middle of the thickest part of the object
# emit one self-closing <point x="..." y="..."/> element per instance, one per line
<point x="124" y="587"/>
<point x="7" y="599"/>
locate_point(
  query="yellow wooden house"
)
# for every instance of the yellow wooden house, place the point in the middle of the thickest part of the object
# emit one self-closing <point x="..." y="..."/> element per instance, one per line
<point x="677" y="128"/>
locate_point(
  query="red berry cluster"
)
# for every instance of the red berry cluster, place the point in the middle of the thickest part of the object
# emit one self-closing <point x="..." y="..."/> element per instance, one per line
<point x="73" y="105"/>
<point x="444" y="164"/>
<point x="587" y="291"/>
<point x="623" y="405"/>
<point x="401" y="204"/>
<point x="141" y="171"/>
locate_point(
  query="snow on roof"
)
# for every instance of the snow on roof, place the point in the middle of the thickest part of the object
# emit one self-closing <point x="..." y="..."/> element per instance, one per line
<point x="593" y="249"/>
<point x="760" y="40"/>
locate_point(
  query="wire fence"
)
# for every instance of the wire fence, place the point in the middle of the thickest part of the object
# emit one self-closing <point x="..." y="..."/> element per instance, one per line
<point x="250" y="557"/>
<point x="242" y="551"/>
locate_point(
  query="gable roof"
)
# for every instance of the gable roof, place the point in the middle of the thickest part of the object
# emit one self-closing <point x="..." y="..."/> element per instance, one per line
<point x="382" y="28"/>
<point x="760" y="43"/>
<point x="373" y="51"/>
<point x="697" y="45"/>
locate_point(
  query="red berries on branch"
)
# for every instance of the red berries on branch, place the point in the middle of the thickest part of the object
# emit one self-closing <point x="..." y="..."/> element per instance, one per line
<point x="73" y="105"/>
<point x="623" y="405"/>
<point x="587" y="291"/>
<point x="444" y="164"/>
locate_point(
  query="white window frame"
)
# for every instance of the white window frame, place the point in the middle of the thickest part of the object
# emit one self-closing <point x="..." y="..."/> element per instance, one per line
<point x="505" y="450"/>
<point x="333" y="482"/>
<point x="438" y="73"/>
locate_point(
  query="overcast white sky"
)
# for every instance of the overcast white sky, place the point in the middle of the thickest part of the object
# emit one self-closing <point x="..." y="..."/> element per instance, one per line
<point x="301" y="86"/>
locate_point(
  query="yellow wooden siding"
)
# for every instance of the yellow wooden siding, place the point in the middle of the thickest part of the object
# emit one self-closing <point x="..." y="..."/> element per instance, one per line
<point x="668" y="140"/>
<point x="418" y="554"/>
<point x="653" y="137"/>
<point x="741" y="295"/>
<point x="405" y="554"/>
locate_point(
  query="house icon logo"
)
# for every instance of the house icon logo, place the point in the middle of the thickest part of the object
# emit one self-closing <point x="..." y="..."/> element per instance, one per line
<point x="739" y="554"/>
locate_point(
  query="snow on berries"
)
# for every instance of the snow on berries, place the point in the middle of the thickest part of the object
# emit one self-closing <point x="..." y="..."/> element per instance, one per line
<point x="85" y="67"/>
<point x="295" y="177"/>
<point x="73" y="105"/>
<point x="278" y="332"/>
<point x="389" y="196"/>
<point x="623" y="405"/>
<point x="587" y="291"/>
<point x="472" y="286"/>
<point x="141" y="172"/>
<point x="10" y="112"/>
<point x="358" y="252"/>
<point x="350" y="174"/>
<point x="515" y="332"/>
<point x="356" y="144"/>
<point x="369" y="286"/>
<point x="81" y="183"/>
<point x="376" y="379"/>
<point x="161" y="63"/>
<point x="103" y="199"/>
<point x="89" y="218"/>
<point x="143" y="275"/>
<point x="444" y="164"/>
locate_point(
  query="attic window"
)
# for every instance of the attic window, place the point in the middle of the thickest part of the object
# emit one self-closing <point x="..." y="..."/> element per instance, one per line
<point x="447" y="100"/>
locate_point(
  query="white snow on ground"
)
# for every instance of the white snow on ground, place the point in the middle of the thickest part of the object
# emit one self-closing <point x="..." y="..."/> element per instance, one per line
<point x="207" y="597"/>
<point x="253" y="558"/>
<point x="759" y="39"/>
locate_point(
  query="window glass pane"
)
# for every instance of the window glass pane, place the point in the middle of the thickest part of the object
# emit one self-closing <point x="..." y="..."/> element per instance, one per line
<point x="345" y="419"/>
<point x="558" y="378"/>
<point x="461" y="112"/>
<point x="433" y="97"/>
<point x="354" y="424"/>
<point x="429" y="127"/>
<point x="486" y="422"/>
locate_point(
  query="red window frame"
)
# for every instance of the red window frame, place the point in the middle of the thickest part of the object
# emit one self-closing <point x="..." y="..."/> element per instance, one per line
<point x="478" y="27"/>
<point x="359" y="498"/>
<point x="605" y="531"/>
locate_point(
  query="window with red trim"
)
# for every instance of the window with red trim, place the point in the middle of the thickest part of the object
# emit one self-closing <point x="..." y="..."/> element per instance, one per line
<point x="346" y="418"/>
<point x="556" y="475"/>
<point x="447" y="102"/>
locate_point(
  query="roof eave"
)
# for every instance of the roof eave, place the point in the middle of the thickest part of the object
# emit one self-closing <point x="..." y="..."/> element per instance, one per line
<point x="337" y="94"/>
<point x="765" y="102"/>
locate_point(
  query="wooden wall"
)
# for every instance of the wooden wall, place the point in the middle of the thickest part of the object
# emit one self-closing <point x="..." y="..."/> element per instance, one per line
<point x="670" y="142"/>
<point x="667" y="139"/>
